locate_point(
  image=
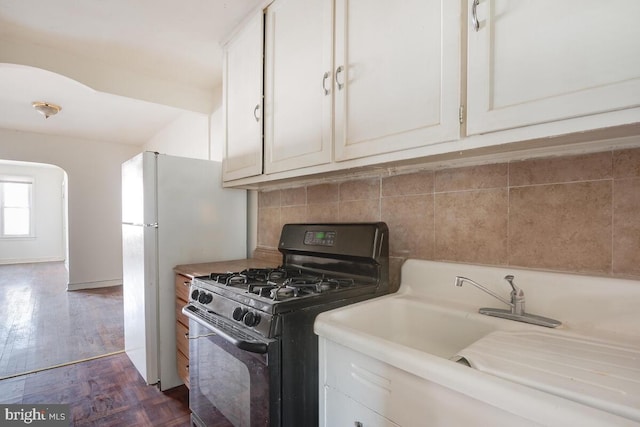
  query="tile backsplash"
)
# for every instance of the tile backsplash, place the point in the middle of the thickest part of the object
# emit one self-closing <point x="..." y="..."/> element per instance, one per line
<point x="575" y="213"/>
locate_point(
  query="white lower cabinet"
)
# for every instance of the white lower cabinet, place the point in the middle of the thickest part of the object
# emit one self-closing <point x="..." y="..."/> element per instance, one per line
<point x="357" y="388"/>
<point x="344" y="411"/>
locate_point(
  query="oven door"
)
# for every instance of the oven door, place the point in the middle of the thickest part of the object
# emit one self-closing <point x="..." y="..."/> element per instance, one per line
<point x="233" y="381"/>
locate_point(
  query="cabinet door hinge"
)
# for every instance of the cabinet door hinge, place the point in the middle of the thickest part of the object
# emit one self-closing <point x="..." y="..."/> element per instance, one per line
<point x="461" y="114"/>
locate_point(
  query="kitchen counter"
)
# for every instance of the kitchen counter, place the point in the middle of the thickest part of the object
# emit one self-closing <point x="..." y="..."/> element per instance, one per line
<point x="203" y="269"/>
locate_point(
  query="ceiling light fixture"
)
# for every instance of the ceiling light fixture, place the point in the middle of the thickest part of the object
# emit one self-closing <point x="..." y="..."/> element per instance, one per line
<point x="46" y="109"/>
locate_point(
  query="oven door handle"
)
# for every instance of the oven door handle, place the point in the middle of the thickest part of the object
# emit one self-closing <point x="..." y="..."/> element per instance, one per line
<point x="250" y="346"/>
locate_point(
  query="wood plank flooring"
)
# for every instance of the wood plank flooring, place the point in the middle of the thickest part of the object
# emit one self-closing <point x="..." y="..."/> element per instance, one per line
<point x="43" y="325"/>
<point x="107" y="392"/>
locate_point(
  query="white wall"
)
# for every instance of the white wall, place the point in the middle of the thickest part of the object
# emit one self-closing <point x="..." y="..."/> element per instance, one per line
<point x="47" y="244"/>
<point x="193" y="135"/>
<point x="187" y="136"/>
<point x="94" y="204"/>
<point x="216" y="129"/>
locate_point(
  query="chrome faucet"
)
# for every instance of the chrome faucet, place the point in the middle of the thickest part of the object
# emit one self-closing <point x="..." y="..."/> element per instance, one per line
<point x="516" y="304"/>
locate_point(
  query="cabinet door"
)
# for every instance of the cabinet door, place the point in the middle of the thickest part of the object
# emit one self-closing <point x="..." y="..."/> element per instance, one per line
<point x="535" y="61"/>
<point x="298" y="84"/>
<point x="341" y="410"/>
<point x="242" y="101"/>
<point x="397" y="74"/>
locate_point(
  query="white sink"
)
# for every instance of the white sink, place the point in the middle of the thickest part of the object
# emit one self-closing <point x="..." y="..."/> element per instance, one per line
<point x="416" y="324"/>
<point x="429" y="322"/>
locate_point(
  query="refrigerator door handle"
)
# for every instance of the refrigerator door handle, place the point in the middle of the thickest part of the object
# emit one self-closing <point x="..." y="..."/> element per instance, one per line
<point x="154" y="225"/>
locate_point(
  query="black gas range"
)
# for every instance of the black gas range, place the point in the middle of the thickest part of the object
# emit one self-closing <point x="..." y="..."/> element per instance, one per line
<point x="253" y="353"/>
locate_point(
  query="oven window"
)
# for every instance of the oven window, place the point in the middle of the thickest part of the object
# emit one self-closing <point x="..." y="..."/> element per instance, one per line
<point x="230" y="386"/>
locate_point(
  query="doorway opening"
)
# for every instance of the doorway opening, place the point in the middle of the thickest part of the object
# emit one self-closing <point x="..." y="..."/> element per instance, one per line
<point x="43" y="325"/>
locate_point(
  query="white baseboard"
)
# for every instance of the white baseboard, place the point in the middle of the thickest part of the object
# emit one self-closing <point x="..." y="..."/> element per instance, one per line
<point x="7" y="261"/>
<point x="93" y="285"/>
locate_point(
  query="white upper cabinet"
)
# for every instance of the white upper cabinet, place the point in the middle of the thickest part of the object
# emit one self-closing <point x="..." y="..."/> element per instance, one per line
<point x="536" y="61"/>
<point x="298" y="92"/>
<point x="242" y="101"/>
<point x="396" y="75"/>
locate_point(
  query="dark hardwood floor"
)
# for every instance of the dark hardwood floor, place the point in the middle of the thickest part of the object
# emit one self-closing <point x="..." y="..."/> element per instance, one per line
<point x="105" y="391"/>
<point x="67" y="347"/>
<point x="43" y="325"/>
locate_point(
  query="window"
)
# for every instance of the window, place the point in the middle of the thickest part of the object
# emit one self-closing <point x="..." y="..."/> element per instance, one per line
<point x="15" y="208"/>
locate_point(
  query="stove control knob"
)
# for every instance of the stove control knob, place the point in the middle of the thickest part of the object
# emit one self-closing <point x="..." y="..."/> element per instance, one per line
<point x="205" y="298"/>
<point x="251" y="319"/>
<point x="194" y="295"/>
<point x="238" y="313"/>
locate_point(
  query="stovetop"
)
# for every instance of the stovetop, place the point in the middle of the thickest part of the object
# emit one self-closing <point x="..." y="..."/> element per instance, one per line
<point x="276" y="290"/>
<point x="323" y="265"/>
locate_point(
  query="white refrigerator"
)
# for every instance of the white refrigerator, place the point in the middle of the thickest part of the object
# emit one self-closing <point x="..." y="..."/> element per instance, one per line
<point x="174" y="211"/>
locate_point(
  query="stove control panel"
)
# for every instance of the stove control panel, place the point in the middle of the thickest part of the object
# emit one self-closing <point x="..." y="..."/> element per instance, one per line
<point x="244" y="315"/>
<point x="320" y="238"/>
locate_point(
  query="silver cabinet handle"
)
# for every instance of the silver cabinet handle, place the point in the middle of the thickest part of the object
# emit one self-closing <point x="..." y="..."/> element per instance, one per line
<point x="255" y="111"/>
<point x="325" y="76"/>
<point x="339" y="70"/>
<point x="474" y="15"/>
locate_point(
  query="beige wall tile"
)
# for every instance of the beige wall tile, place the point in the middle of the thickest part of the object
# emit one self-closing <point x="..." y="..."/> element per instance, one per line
<point x="471" y="178"/>
<point x="269" y="227"/>
<point x="269" y="199"/>
<point x="561" y="226"/>
<point x="323" y="193"/>
<point x="360" y="190"/>
<point x="410" y="221"/>
<point x="563" y="213"/>
<point x="293" y="214"/>
<point x="413" y="183"/>
<point x="626" y="163"/>
<point x="360" y="210"/>
<point x="294" y="196"/>
<point x="626" y="227"/>
<point x="471" y="226"/>
<point x="561" y="169"/>
<point x="326" y="212"/>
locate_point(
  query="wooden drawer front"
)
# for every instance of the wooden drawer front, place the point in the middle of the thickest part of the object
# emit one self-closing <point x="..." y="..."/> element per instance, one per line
<point x="182" y="340"/>
<point x="182" y="290"/>
<point x="181" y="318"/>
<point x="183" y="368"/>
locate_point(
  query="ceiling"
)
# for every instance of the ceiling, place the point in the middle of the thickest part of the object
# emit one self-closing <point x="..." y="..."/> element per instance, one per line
<point x="165" y="40"/>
